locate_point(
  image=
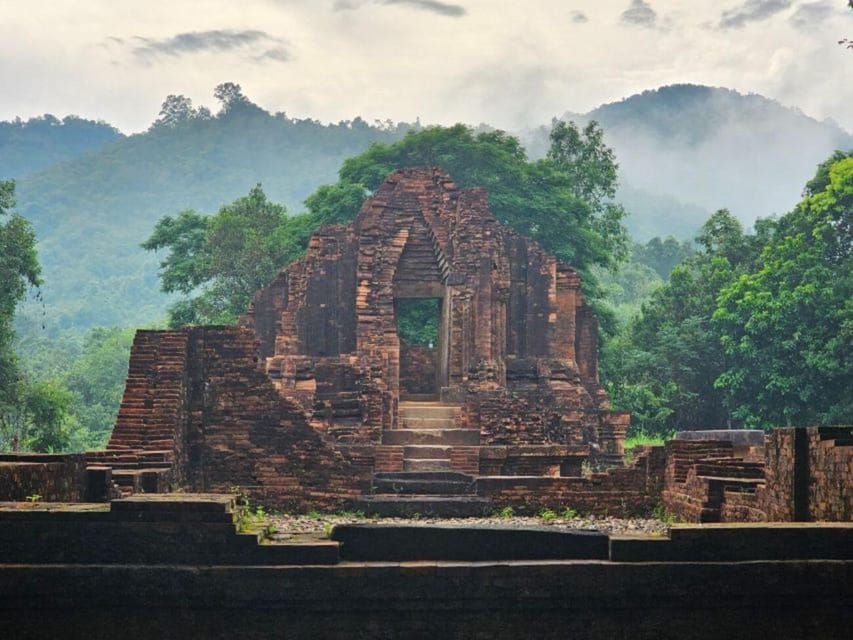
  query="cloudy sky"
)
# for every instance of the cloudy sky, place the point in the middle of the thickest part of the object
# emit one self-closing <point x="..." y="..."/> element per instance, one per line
<point x="511" y="64"/>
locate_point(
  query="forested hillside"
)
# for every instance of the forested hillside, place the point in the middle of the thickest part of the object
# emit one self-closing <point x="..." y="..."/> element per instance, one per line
<point x="27" y="146"/>
<point x="91" y="213"/>
<point x="715" y="147"/>
<point x="683" y="152"/>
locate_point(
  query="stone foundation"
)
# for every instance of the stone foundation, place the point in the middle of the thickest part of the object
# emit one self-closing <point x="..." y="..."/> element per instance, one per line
<point x="42" y="477"/>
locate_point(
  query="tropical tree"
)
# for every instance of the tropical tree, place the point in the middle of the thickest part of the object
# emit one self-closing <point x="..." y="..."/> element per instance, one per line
<point x="787" y="326"/>
<point x="664" y="367"/>
<point x="32" y="415"/>
<point x="564" y="201"/>
<point x="19" y="270"/>
<point x="223" y="259"/>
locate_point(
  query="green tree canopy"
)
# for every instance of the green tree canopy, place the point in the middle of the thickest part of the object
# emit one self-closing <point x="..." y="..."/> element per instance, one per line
<point x="19" y="270"/>
<point x="664" y="368"/>
<point x="223" y="259"/>
<point x="564" y="201"/>
<point x="754" y="329"/>
<point x="787" y="326"/>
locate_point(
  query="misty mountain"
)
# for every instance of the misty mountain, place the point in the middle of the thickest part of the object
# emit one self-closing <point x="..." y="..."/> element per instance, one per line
<point x="93" y="195"/>
<point x="715" y="148"/>
<point x="27" y="146"/>
<point x="91" y="212"/>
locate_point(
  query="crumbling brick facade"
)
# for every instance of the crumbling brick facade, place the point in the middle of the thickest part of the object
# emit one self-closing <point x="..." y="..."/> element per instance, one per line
<point x="302" y="405"/>
<point x="517" y="345"/>
<point x="806" y="476"/>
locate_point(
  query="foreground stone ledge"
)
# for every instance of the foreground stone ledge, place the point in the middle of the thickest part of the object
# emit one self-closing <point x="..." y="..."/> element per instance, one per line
<point x="793" y="599"/>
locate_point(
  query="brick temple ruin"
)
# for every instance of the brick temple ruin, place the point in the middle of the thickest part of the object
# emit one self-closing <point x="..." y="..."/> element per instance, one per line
<point x="318" y="400"/>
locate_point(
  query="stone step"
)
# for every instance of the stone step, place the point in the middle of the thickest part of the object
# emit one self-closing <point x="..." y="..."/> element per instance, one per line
<point x="426" y="464"/>
<point x="428" y="410"/>
<point x="463" y="437"/>
<point x="478" y="543"/>
<point x="426" y="423"/>
<point x="442" y="482"/>
<point x="438" y="506"/>
<point x="423" y="451"/>
<point x="418" y="397"/>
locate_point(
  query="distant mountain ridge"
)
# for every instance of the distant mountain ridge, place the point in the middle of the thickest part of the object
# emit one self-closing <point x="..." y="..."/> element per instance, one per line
<point x="716" y="148"/>
<point x="27" y="146"/>
<point x="92" y="211"/>
<point x="94" y="194"/>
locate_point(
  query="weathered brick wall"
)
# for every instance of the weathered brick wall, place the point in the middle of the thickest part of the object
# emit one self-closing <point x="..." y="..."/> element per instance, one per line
<point x="701" y="474"/>
<point x="809" y="474"/>
<point x="741" y="505"/>
<point x="417" y="369"/>
<point x="777" y="496"/>
<point x="537" y="460"/>
<point x="152" y="416"/>
<point x="617" y="492"/>
<point x="506" y="306"/>
<point x="651" y="460"/>
<point x="248" y="436"/>
<point x="51" y="477"/>
<point x="831" y="473"/>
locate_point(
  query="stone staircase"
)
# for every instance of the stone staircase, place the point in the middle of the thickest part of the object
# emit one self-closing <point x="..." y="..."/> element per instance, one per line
<point x="427" y="429"/>
<point x="428" y="485"/>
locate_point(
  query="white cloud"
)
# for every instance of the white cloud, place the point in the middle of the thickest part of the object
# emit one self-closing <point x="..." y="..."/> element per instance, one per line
<point x="505" y="63"/>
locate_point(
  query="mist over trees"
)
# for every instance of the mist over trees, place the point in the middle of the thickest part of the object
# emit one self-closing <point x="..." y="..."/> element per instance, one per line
<point x="27" y="146"/>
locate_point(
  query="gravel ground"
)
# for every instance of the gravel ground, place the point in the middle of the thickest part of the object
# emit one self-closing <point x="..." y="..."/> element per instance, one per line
<point x="287" y="526"/>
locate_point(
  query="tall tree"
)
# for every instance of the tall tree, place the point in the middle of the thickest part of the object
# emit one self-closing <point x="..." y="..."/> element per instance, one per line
<point x="664" y="368"/>
<point x="223" y="259"/>
<point x="32" y="415"/>
<point x="788" y="325"/>
<point x="19" y="270"/>
<point x="564" y="201"/>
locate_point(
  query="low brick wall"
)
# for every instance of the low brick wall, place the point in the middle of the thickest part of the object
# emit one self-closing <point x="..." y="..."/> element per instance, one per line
<point x="531" y="460"/>
<point x="52" y="477"/>
<point x="619" y="492"/>
<point x="807" y="475"/>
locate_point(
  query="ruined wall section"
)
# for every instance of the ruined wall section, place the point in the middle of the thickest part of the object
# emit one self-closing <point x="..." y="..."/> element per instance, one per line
<point x="247" y="435"/>
<point x="519" y="344"/>
<point x="265" y="312"/>
<point x="807" y="475"/>
<point x="831" y="474"/>
<point x="149" y="437"/>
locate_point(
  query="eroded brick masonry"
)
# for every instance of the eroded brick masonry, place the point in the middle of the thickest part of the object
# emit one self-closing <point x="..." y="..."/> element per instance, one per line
<point x="304" y="402"/>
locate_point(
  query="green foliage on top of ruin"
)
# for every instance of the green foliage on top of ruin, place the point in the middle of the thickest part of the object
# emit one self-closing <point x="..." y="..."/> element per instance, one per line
<point x="564" y="201"/>
<point x="221" y="260"/>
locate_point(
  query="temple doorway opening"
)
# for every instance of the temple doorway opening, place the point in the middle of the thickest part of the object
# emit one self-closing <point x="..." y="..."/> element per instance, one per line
<point x="418" y="328"/>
